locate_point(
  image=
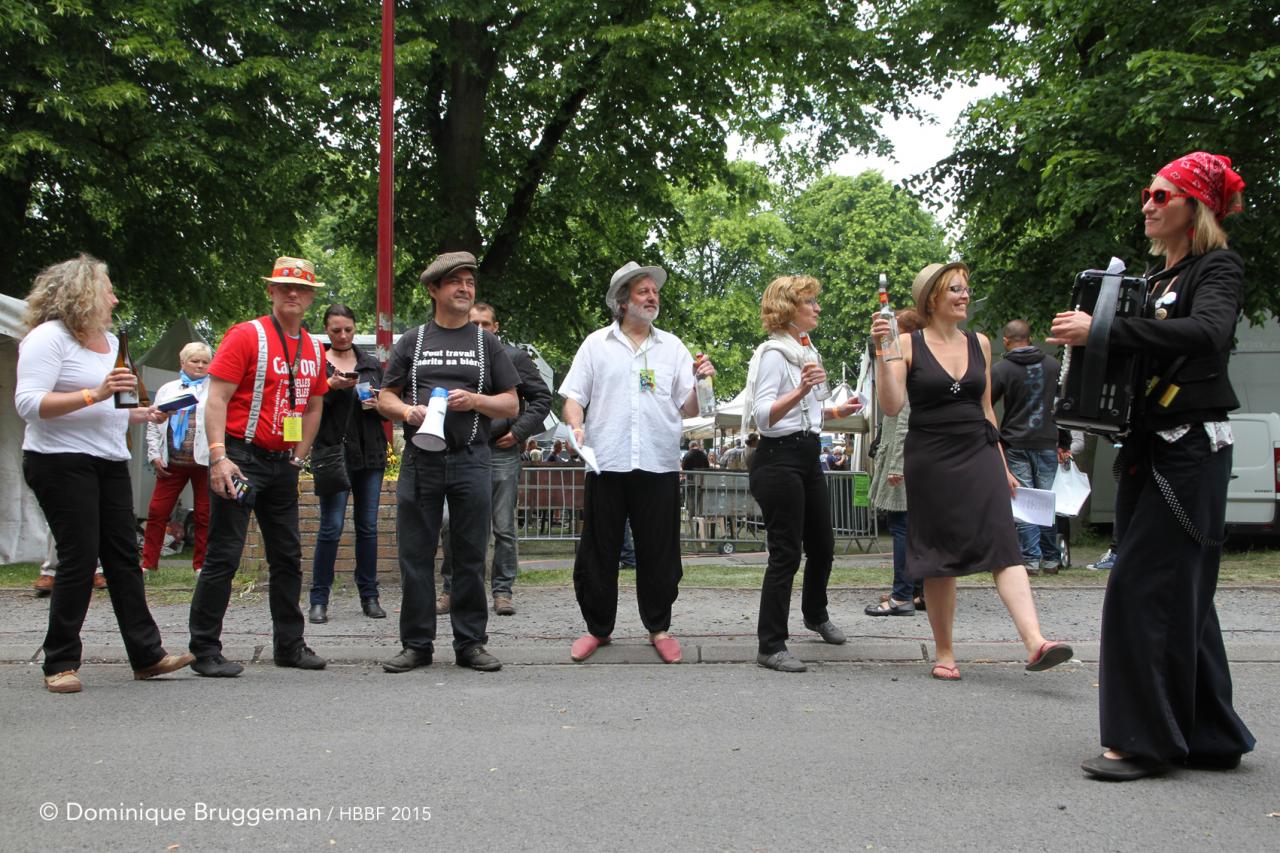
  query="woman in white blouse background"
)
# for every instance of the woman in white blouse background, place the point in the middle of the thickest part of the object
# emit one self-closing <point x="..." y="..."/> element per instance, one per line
<point x="75" y="459"/>
<point x="785" y="473"/>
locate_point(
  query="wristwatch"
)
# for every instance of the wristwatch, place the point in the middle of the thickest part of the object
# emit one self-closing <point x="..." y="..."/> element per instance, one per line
<point x="297" y="461"/>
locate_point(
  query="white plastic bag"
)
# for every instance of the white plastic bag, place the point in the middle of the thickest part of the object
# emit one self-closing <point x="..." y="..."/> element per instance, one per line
<point x="1071" y="487"/>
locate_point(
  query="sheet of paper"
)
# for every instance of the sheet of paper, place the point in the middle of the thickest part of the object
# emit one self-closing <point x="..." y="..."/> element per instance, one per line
<point x="588" y="455"/>
<point x="1034" y="506"/>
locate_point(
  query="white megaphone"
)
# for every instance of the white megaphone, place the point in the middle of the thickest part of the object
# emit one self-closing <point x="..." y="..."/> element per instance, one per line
<point x="431" y="435"/>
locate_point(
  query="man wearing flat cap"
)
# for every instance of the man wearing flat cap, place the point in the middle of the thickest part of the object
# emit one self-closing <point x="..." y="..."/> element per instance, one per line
<point x="448" y="355"/>
<point x="266" y="392"/>
<point x="627" y="391"/>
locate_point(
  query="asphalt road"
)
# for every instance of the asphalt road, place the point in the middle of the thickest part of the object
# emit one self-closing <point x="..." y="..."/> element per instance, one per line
<point x="646" y="758"/>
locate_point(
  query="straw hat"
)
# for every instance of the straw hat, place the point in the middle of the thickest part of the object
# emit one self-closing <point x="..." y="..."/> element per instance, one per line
<point x="288" y="270"/>
<point x="922" y="287"/>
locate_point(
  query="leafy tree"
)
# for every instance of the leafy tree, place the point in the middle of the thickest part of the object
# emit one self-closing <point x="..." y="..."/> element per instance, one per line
<point x="846" y="231"/>
<point x="733" y="238"/>
<point x="1101" y="95"/>
<point x="177" y="141"/>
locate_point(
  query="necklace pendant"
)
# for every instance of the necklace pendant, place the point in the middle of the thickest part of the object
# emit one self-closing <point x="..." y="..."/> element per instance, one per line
<point x="955" y="388"/>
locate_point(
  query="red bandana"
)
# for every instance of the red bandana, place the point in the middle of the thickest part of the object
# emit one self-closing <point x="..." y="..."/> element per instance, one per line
<point x="1207" y="177"/>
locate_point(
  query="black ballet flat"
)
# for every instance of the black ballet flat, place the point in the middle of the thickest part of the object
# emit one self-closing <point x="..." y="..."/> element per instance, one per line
<point x="1122" y="769"/>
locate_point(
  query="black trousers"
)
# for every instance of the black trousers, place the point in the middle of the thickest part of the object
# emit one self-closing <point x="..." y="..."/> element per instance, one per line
<point x="1165" y="683"/>
<point x="652" y="503"/>
<point x="787" y="481"/>
<point x="88" y="503"/>
<point x="427" y="480"/>
<point x="274" y="501"/>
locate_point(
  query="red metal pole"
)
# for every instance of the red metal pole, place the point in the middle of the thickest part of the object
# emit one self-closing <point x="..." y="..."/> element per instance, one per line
<point x="386" y="185"/>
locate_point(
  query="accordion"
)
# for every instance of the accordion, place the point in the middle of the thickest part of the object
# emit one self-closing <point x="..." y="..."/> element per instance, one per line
<point x="1100" y="391"/>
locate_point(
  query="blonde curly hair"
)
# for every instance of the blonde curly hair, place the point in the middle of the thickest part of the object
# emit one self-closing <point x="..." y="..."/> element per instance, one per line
<point x="781" y="298"/>
<point x="73" y="292"/>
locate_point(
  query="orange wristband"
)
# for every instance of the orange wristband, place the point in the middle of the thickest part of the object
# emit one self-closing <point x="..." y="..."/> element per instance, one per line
<point x="408" y="410"/>
<point x="88" y="398"/>
<point x="217" y="444"/>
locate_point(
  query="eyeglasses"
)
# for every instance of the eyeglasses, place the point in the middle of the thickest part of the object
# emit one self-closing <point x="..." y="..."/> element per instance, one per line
<point x="960" y="290"/>
<point x="1161" y="197"/>
<point x="812" y="303"/>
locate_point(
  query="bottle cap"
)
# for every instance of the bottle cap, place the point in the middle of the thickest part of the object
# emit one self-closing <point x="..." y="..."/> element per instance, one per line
<point x="439" y="392"/>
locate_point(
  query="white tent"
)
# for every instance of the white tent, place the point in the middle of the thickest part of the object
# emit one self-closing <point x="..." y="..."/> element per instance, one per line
<point x="23" y="534"/>
<point x="698" y="427"/>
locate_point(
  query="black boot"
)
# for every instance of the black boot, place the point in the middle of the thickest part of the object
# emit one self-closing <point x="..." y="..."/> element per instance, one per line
<point x="372" y="609"/>
<point x="319" y="614"/>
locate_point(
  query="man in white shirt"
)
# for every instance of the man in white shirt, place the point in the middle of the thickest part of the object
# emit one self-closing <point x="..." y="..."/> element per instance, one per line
<point x="633" y="383"/>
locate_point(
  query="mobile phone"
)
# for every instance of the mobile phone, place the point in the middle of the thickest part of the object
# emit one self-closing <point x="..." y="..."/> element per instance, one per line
<point x="345" y="375"/>
<point x="241" y="488"/>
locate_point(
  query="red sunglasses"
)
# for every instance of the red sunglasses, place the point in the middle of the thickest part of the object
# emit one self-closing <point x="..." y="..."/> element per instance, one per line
<point x="1161" y="197"/>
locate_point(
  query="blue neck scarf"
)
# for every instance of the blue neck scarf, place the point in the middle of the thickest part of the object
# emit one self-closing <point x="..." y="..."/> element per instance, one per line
<point x="179" y="420"/>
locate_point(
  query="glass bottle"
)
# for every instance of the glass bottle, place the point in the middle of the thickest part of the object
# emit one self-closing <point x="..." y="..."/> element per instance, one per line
<point x="822" y="390"/>
<point x="706" y="393"/>
<point x="890" y="349"/>
<point x="127" y="399"/>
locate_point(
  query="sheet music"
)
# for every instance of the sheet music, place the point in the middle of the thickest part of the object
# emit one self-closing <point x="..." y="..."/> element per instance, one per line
<point x="1034" y="506"/>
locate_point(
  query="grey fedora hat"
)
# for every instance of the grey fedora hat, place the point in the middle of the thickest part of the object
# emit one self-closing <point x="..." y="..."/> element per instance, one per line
<point x="447" y="263"/>
<point x="629" y="271"/>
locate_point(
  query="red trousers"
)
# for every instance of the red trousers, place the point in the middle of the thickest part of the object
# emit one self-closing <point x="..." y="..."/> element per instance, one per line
<point x="163" y="500"/>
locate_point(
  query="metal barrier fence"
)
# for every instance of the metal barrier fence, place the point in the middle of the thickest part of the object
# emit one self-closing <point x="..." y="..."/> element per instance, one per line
<point x="717" y="509"/>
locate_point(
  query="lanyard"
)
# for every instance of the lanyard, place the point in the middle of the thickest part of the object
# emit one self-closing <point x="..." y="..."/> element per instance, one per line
<point x="293" y="365"/>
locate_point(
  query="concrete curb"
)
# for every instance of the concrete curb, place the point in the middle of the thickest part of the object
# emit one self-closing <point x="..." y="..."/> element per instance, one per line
<point x="640" y="652"/>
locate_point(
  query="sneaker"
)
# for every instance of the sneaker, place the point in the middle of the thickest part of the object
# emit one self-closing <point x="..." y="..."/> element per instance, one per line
<point x="442" y="604"/>
<point x="1105" y="563"/>
<point x="782" y="661"/>
<point x="63" y="682"/>
<point x="1050" y="567"/>
<point x="502" y="605"/>
<point x="164" y="666"/>
<point x="830" y="633"/>
<point x="43" y="586"/>
<point x="300" y="658"/>
<point x="477" y="658"/>
<point x="216" y="666"/>
<point x="408" y="659"/>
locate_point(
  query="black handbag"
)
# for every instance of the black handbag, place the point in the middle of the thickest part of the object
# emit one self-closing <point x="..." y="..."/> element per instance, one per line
<point x="329" y="471"/>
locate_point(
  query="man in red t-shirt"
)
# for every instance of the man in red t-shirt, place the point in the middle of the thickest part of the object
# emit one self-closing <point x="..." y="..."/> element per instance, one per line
<point x="265" y="398"/>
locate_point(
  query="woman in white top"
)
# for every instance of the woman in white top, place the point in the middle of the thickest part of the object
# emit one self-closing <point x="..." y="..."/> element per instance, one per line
<point x="75" y="459"/>
<point x="179" y="454"/>
<point x="785" y="474"/>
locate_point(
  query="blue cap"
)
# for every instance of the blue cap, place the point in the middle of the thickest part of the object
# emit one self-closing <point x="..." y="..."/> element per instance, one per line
<point x="439" y="392"/>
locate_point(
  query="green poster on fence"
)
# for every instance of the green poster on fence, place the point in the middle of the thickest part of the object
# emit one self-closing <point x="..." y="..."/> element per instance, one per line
<point x="861" y="488"/>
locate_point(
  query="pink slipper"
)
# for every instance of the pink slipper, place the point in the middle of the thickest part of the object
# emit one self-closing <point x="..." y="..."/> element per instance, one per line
<point x="942" y="672"/>
<point x="668" y="649"/>
<point x="586" y="645"/>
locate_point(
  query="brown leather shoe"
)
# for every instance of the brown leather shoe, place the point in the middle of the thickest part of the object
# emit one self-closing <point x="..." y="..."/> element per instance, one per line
<point x="442" y="604"/>
<point x="502" y="605"/>
<point x="43" y="586"/>
<point x="164" y="666"/>
<point x="63" y="682"/>
<point x="99" y="581"/>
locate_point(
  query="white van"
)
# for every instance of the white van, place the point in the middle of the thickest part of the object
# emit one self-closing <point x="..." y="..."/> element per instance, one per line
<point x="1255" y="473"/>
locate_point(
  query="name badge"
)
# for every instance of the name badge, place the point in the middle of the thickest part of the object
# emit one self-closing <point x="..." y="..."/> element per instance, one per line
<point x="293" y="427"/>
<point x="648" y="379"/>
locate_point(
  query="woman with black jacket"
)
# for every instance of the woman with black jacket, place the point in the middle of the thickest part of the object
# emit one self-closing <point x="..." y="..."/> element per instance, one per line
<point x="1165" y="695"/>
<point x="350" y="417"/>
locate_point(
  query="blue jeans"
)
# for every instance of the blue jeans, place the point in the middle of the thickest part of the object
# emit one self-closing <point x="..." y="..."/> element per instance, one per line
<point x="903" y="588"/>
<point x="427" y="480"/>
<point x="1035" y="469"/>
<point x="628" y="557"/>
<point x="504" y="465"/>
<point x="366" y="485"/>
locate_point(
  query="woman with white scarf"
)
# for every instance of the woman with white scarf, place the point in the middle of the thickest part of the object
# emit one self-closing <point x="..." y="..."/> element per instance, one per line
<point x="179" y="454"/>
<point x="785" y="474"/>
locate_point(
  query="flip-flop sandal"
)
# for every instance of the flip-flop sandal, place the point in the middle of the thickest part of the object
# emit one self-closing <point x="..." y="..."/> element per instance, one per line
<point x="888" y="608"/>
<point x="948" y="673"/>
<point x="1049" y="655"/>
